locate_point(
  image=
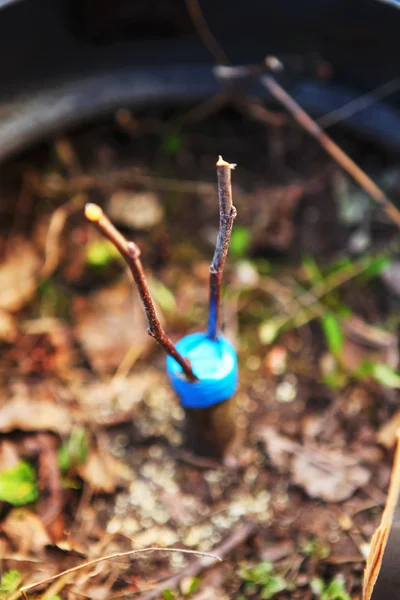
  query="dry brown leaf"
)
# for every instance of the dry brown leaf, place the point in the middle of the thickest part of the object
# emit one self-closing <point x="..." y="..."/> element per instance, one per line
<point x="18" y="277"/>
<point x="139" y="210"/>
<point x="329" y="476"/>
<point x="9" y="457"/>
<point x="30" y="414"/>
<point x="25" y="531"/>
<point x="363" y="342"/>
<point x="108" y="323"/>
<point x="103" y="472"/>
<point x="8" y="327"/>
<point x="387" y="434"/>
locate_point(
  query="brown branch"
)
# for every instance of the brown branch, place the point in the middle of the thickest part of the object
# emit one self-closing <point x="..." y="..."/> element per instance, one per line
<point x="131" y="253"/>
<point x="331" y="147"/>
<point x="204" y="32"/>
<point x="238" y="536"/>
<point x="227" y="214"/>
<point x="230" y="74"/>
<point x="90" y="563"/>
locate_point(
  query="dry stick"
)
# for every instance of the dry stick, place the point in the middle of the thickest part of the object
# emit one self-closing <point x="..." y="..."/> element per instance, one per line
<point x="131" y="253"/>
<point x="227" y="214"/>
<point x="380" y="538"/>
<point x="331" y="147"/>
<point x="238" y="536"/>
<point x="204" y="32"/>
<point x="95" y="561"/>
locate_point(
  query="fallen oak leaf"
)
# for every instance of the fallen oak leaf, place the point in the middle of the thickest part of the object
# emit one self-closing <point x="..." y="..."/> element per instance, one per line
<point x="8" y="327"/>
<point x="25" y="531"/>
<point x="30" y="414"/>
<point x="106" y="323"/>
<point x="18" y="276"/>
<point x="324" y="476"/>
<point x="103" y="472"/>
<point x="320" y="473"/>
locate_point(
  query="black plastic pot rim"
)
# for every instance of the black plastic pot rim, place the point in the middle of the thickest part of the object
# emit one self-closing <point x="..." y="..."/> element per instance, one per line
<point x="32" y="118"/>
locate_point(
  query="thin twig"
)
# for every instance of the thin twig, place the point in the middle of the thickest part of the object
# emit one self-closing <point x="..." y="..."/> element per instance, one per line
<point x="204" y="32"/>
<point x="232" y="74"/>
<point x="238" y="536"/>
<point x="95" y="561"/>
<point x="359" y="104"/>
<point x="227" y="214"/>
<point x="131" y="253"/>
<point x="118" y="177"/>
<point x="56" y="226"/>
<point x="348" y="164"/>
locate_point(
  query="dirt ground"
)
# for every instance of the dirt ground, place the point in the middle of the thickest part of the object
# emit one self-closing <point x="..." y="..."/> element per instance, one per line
<point x="90" y="430"/>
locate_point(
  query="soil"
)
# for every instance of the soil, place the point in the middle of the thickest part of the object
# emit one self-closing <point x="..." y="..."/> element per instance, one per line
<point x="84" y="394"/>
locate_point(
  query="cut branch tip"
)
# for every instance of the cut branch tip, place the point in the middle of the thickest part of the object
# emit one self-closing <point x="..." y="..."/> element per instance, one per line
<point x="273" y="63"/>
<point x="93" y="212"/>
<point x="222" y="163"/>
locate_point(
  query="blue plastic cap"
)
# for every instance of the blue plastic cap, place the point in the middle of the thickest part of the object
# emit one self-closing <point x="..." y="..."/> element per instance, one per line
<point x="214" y="362"/>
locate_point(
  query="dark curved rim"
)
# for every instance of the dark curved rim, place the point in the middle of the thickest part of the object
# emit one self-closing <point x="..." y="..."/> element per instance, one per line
<point x="37" y="116"/>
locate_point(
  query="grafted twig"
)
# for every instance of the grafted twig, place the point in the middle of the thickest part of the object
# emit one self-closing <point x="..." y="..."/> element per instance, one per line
<point x="227" y="214"/>
<point x="131" y="253"/>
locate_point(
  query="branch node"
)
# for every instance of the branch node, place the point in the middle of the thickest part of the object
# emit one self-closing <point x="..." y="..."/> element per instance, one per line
<point x="273" y="64"/>
<point x="133" y="250"/>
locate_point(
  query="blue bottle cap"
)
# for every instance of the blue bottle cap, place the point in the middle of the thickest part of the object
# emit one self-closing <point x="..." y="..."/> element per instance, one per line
<point x="214" y="362"/>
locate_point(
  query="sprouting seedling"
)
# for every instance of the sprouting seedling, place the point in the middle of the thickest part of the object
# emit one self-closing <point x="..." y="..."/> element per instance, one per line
<point x="131" y="253"/>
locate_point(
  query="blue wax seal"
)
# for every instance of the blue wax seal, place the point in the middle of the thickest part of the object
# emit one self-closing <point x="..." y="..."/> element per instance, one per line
<point x="214" y="362"/>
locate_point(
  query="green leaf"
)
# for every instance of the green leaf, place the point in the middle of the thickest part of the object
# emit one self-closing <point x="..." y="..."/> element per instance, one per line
<point x="336" y="380"/>
<point x="194" y="584"/>
<point x="335" y="590"/>
<point x="163" y="295"/>
<point x="260" y="574"/>
<point x="168" y="595"/>
<point x="375" y="267"/>
<point x="240" y="241"/>
<point x="18" y="485"/>
<point x="317" y="586"/>
<point x="101" y="253"/>
<point x="311" y="270"/>
<point x="10" y="582"/>
<point x="274" y="586"/>
<point x="333" y="333"/>
<point x="342" y="265"/>
<point x="74" y="451"/>
<point x="315" y="548"/>
<point x="270" y="330"/>
<point x="172" y="143"/>
<point x="386" y="375"/>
